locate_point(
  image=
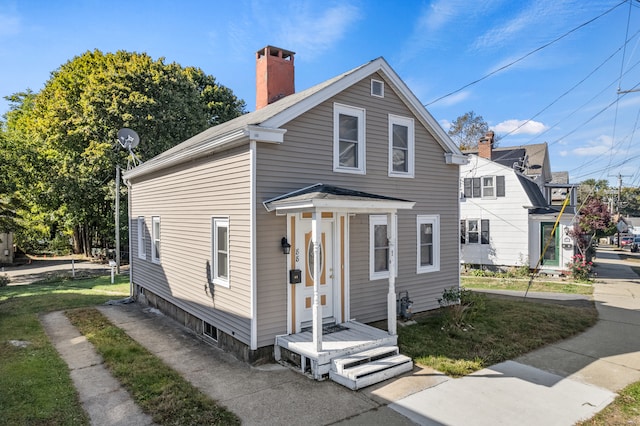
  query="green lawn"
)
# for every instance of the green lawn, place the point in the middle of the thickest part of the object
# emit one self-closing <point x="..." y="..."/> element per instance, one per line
<point x="35" y="382"/>
<point x="520" y="284"/>
<point x="485" y="330"/>
<point x="457" y="340"/>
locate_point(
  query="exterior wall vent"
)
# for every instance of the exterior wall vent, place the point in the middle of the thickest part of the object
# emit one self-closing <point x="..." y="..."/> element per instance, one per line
<point x="377" y="88"/>
<point x="209" y="331"/>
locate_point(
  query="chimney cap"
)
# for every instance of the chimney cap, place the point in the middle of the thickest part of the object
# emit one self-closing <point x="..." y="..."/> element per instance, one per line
<point x="269" y="48"/>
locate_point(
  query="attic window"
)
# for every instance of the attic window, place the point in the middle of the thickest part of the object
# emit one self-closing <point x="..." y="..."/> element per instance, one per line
<point x="377" y="88"/>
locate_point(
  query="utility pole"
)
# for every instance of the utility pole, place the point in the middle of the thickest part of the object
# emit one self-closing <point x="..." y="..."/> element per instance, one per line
<point x="117" y="214"/>
<point x="618" y="204"/>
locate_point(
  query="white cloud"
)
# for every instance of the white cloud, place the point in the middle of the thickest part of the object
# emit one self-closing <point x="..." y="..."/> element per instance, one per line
<point x="545" y="16"/>
<point x="314" y="32"/>
<point x="9" y="25"/>
<point x="454" y="99"/>
<point x="520" y="127"/>
<point x="601" y="145"/>
<point x="445" y="124"/>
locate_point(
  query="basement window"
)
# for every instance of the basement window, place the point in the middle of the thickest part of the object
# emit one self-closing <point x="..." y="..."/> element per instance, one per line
<point x="377" y="88"/>
<point x="209" y="331"/>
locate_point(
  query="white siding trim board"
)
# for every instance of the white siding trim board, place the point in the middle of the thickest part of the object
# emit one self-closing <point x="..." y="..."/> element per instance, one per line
<point x="253" y="239"/>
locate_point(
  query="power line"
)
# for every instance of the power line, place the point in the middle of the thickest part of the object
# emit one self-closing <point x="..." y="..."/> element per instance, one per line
<point x="570" y="90"/>
<point x="525" y="56"/>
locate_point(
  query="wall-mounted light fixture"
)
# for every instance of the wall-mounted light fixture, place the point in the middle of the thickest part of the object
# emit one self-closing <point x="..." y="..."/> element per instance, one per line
<point x="286" y="247"/>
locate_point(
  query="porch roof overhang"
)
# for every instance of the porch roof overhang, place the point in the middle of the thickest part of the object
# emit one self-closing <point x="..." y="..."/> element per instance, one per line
<point x="322" y="197"/>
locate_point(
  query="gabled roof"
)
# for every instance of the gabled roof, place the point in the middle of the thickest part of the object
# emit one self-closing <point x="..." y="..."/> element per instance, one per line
<point x="531" y="188"/>
<point x="533" y="191"/>
<point x="529" y="159"/>
<point x="321" y="196"/>
<point x="264" y="124"/>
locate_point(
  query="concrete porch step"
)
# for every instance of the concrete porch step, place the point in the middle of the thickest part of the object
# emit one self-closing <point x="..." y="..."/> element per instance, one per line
<point x="369" y="367"/>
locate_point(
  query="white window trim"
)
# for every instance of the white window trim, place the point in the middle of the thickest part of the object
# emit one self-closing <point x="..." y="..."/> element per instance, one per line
<point x="217" y="222"/>
<point x="479" y="232"/>
<point x="373" y="221"/>
<point x="360" y="114"/>
<point x="373" y="82"/>
<point x="434" y="220"/>
<point x="409" y="123"/>
<point x="494" y="186"/>
<point x="155" y="257"/>
<point x="142" y="243"/>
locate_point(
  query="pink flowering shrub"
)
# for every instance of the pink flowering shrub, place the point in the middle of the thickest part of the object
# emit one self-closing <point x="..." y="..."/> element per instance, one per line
<point x="580" y="268"/>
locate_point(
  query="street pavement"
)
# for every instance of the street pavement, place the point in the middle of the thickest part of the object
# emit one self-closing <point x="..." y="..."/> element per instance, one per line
<point x="556" y="385"/>
<point x="45" y="267"/>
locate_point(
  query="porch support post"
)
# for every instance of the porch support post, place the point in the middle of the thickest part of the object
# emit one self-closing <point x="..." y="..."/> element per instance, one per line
<point x="316" y="221"/>
<point x="391" y="296"/>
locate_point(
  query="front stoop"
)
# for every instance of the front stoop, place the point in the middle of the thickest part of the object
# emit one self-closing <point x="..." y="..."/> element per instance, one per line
<point x="366" y="368"/>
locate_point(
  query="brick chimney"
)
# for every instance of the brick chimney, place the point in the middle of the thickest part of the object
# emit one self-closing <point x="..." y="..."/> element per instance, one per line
<point x="274" y="75"/>
<point x="485" y="145"/>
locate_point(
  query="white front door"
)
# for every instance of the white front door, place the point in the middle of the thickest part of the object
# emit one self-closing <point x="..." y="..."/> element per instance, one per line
<point x="304" y="261"/>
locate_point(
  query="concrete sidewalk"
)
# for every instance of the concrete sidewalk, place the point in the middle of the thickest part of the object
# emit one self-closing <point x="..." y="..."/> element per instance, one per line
<point x="557" y="385"/>
<point x="560" y="384"/>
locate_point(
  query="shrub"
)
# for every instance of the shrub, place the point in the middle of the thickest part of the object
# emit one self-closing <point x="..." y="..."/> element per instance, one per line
<point x="580" y="268"/>
<point x="4" y="280"/>
<point x="460" y="306"/>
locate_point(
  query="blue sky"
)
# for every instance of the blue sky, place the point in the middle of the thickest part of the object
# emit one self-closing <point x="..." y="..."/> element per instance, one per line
<point x="565" y="94"/>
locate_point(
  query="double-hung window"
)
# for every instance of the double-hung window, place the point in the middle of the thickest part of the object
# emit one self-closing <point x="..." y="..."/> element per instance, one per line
<point x="155" y="237"/>
<point x="488" y="187"/>
<point x="348" y="139"/>
<point x="379" y="248"/>
<point x="401" y="146"/>
<point x="477" y="231"/>
<point x="142" y="240"/>
<point x="428" y="243"/>
<point x="485" y="187"/>
<point x="220" y="251"/>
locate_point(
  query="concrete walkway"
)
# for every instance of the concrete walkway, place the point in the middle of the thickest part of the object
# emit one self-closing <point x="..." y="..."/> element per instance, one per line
<point x="557" y="385"/>
<point x="102" y="397"/>
<point x="560" y="384"/>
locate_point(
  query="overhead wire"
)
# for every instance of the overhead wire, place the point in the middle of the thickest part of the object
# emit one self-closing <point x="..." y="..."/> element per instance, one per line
<point x="568" y="91"/>
<point x="526" y="55"/>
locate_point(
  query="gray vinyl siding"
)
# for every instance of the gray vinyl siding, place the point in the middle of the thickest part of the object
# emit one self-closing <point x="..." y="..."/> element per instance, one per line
<point x="186" y="197"/>
<point x="306" y="158"/>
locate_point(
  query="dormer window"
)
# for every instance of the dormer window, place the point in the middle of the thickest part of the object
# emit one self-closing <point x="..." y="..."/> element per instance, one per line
<point x="377" y="88"/>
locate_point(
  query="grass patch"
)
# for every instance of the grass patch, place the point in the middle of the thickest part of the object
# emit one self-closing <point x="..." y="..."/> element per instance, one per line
<point x="499" y="329"/>
<point x="521" y="284"/>
<point x="157" y="389"/>
<point x="624" y="410"/>
<point x="35" y="385"/>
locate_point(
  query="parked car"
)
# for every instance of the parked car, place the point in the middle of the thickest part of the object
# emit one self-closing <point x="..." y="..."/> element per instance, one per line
<point x="635" y="245"/>
<point x="625" y="241"/>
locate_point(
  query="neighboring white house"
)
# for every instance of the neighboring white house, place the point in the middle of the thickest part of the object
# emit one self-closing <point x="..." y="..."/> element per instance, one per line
<point x="505" y="219"/>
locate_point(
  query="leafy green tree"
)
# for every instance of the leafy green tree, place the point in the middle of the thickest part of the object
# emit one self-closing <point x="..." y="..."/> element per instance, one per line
<point x="630" y="202"/>
<point x="594" y="188"/>
<point x="67" y="134"/>
<point x="467" y="129"/>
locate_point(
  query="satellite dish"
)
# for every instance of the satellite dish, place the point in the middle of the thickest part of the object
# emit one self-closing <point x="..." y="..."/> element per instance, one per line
<point x="128" y="138"/>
